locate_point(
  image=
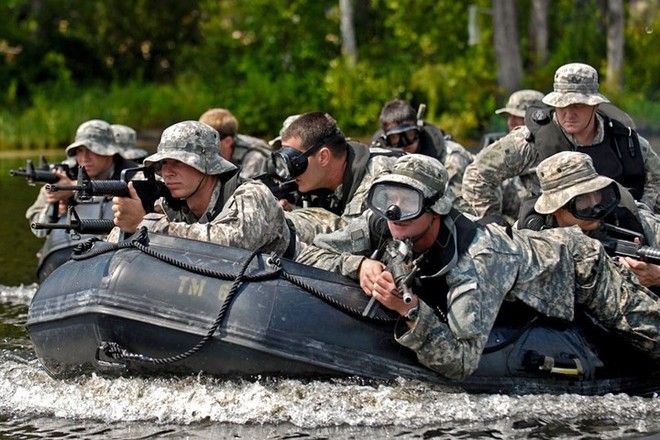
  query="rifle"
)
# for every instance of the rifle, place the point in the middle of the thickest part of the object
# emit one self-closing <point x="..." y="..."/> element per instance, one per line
<point x="397" y="257"/>
<point x="148" y="189"/>
<point x="45" y="173"/>
<point x="281" y="190"/>
<point x="628" y="248"/>
<point x="79" y="225"/>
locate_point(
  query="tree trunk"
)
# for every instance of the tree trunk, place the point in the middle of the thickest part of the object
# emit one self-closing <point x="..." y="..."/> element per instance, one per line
<point x="615" y="23"/>
<point x="538" y="31"/>
<point x="348" y="44"/>
<point x="507" y="46"/>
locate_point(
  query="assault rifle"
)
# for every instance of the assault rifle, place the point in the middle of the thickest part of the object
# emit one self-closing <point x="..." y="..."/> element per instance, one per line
<point x="628" y="248"/>
<point x="79" y="225"/>
<point x="281" y="190"/>
<point x="148" y="189"/>
<point x="397" y="256"/>
<point x="44" y="173"/>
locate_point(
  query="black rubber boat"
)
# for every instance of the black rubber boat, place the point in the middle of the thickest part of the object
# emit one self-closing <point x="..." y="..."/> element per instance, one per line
<point x="159" y="305"/>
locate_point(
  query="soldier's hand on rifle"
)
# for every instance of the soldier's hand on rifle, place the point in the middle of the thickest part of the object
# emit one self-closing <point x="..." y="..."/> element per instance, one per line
<point x="61" y="196"/>
<point x="379" y="284"/>
<point x="648" y="274"/>
<point x="128" y="210"/>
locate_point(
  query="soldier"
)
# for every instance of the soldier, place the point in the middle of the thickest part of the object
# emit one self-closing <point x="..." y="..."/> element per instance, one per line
<point x="95" y="149"/>
<point x="402" y="128"/>
<point x="206" y="203"/>
<point x="465" y="271"/>
<point x="572" y="193"/>
<point x="126" y="140"/>
<point x="573" y="120"/>
<point x="337" y="173"/>
<point x="250" y="154"/>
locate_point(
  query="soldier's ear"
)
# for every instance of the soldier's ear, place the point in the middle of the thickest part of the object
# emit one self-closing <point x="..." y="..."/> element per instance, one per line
<point x="324" y="156"/>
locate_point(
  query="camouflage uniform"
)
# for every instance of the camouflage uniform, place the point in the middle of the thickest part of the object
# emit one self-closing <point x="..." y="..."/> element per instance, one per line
<point x="515" y="155"/>
<point x="251" y="154"/>
<point x="247" y="216"/>
<point x="553" y="271"/>
<point x="309" y="222"/>
<point x="513" y="190"/>
<point x="97" y="136"/>
<point x="126" y="140"/>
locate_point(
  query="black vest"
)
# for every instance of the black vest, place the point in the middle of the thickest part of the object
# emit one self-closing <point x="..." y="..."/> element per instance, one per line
<point x="432" y="290"/>
<point x="618" y="156"/>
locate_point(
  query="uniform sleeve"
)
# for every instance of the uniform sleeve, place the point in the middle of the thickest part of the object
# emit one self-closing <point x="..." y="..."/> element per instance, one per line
<point x="254" y="163"/>
<point x="510" y="156"/>
<point x="457" y="159"/>
<point x="453" y="348"/>
<point x="38" y="213"/>
<point x="252" y="219"/>
<point x="651" y="196"/>
<point x="343" y="263"/>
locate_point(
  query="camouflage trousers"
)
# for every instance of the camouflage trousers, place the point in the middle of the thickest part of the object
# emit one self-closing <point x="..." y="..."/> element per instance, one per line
<point x="616" y="299"/>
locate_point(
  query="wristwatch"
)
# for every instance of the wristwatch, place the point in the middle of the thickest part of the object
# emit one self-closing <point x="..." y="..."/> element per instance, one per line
<point x="412" y="314"/>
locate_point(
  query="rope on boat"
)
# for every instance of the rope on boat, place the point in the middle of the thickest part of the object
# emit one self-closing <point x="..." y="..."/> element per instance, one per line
<point x="140" y="241"/>
<point x="115" y="351"/>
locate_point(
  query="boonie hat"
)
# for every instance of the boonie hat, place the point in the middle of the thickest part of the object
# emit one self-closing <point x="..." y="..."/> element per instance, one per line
<point x="126" y="140"/>
<point x="519" y="102"/>
<point x="424" y="173"/>
<point x="575" y="83"/>
<point x="193" y="143"/>
<point x="564" y="176"/>
<point x="95" y="135"/>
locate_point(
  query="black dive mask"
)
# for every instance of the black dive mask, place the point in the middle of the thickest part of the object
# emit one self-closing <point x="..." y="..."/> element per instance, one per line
<point x="401" y="136"/>
<point x="398" y="202"/>
<point x="595" y="205"/>
<point x="290" y="163"/>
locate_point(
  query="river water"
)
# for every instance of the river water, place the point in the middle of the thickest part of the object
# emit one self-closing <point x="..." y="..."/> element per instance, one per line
<point x="33" y="405"/>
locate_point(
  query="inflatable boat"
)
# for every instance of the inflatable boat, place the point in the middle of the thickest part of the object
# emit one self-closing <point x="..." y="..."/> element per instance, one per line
<point x="160" y="305"/>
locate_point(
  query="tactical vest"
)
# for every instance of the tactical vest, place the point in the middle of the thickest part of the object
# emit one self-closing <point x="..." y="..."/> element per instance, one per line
<point x="432" y="290"/>
<point x="618" y="156"/>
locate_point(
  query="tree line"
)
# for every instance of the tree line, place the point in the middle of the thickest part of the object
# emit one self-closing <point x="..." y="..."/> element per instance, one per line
<point x="164" y="60"/>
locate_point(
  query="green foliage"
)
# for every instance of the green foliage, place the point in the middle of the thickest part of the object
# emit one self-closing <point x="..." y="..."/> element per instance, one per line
<point x="150" y="63"/>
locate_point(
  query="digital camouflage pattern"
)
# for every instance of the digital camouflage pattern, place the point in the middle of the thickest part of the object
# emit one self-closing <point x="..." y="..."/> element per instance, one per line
<point x="95" y="135"/>
<point x="455" y="160"/>
<point x="251" y="219"/>
<point x="251" y="154"/>
<point x="513" y="155"/>
<point x="193" y="143"/>
<point x="519" y="102"/>
<point x="126" y="140"/>
<point x="564" y="176"/>
<point x="575" y="83"/>
<point x="309" y="222"/>
<point x="555" y="272"/>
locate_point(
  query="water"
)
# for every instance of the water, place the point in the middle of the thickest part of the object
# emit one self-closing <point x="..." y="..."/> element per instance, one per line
<point x="33" y="405"/>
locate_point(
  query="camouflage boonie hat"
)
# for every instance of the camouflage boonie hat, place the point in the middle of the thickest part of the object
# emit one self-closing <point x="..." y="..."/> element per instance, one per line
<point x="126" y="140"/>
<point x="519" y="102"/>
<point x="193" y="143"/>
<point x="575" y="83"/>
<point x="423" y="173"/>
<point x="566" y="175"/>
<point x="95" y="135"/>
<point x="276" y="143"/>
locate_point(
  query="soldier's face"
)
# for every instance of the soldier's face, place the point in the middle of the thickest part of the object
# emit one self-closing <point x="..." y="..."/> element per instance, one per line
<point x="421" y="230"/>
<point x="94" y="164"/>
<point x="313" y="176"/>
<point x="412" y="136"/>
<point x="565" y="218"/>
<point x="513" y="121"/>
<point x="182" y="180"/>
<point x="576" y="119"/>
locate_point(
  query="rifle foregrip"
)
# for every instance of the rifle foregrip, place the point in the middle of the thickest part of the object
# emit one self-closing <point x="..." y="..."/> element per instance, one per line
<point x="649" y="254"/>
<point x="95" y="226"/>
